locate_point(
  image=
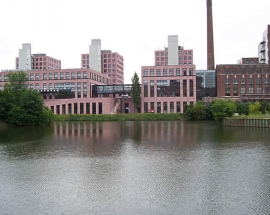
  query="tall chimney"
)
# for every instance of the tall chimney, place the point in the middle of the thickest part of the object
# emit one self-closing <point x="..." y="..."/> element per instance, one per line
<point x="210" y="37"/>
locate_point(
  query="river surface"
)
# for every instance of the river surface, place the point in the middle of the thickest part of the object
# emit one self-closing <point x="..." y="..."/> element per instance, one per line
<point x="135" y="168"/>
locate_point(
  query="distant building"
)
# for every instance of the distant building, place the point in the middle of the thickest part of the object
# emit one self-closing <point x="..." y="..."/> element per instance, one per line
<point x="27" y="61"/>
<point x="105" y="61"/>
<point x="171" y="83"/>
<point x="244" y="82"/>
<point x="206" y="85"/>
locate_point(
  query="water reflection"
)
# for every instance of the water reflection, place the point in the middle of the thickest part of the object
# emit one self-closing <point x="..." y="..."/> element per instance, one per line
<point x="134" y="168"/>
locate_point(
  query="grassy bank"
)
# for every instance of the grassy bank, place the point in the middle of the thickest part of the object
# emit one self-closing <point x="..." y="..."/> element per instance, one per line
<point x="122" y="117"/>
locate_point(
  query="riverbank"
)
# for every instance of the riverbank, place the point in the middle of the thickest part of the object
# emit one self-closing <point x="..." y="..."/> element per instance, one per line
<point x="247" y="122"/>
<point x="122" y="117"/>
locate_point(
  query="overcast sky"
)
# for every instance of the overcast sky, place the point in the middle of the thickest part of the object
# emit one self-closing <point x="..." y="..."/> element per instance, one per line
<point x="63" y="29"/>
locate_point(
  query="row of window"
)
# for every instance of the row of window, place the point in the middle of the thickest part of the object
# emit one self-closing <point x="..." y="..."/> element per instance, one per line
<point x="166" y="63"/>
<point x="162" y="53"/>
<point x="243" y="81"/>
<point x="249" y="70"/>
<point x="49" y="59"/>
<point x="63" y="76"/>
<point x="168" y="88"/>
<point x="180" y="58"/>
<point x="245" y="89"/>
<point x="168" y="72"/>
<point x="164" y="107"/>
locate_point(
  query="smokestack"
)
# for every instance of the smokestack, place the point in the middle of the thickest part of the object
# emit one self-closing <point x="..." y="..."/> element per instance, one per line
<point x="210" y="37"/>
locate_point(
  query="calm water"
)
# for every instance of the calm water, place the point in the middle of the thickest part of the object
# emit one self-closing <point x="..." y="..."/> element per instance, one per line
<point x="134" y="168"/>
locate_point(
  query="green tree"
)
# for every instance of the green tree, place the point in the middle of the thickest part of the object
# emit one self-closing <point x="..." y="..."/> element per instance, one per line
<point x="242" y="108"/>
<point x="136" y="91"/>
<point x="265" y="107"/>
<point x="223" y="108"/>
<point x="17" y="81"/>
<point x="188" y="111"/>
<point x="254" y="108"/>
<point x="20" y="105"/>
<point x="199" y="111"/>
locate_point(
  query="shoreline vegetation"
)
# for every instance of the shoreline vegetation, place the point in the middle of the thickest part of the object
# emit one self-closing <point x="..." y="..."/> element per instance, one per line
<point x="122" y="117"/>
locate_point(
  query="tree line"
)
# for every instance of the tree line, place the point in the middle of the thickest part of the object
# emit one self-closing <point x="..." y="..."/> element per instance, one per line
<point x="221" y="108"/>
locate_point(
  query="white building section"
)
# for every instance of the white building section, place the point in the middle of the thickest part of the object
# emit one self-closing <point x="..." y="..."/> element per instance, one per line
<point x="25" y="57"/>
<point x="95" y="55"/>
<point x="173" y="50"/>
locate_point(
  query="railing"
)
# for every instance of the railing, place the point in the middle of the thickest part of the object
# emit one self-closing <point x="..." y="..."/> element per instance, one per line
<point x="115" y="106"/>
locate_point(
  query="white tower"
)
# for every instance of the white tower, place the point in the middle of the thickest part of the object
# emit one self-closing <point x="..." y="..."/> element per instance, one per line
<point x="25" y="57"/>
<point x="95" y="55"/>
<point x="173" y="50"/>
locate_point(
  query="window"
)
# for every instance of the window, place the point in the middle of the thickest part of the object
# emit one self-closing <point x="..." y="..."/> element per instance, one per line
<point x="227" y="90"/>
<point x="184" y="88"/>
<point x="145" y="83"/>
<point x="243" y="89"/>
<point x="61" y="75"/>
<point x="31" y="76"/>
<point x="190" y="87"/>
<point x="164" y="72"/>
<point x="235" y="90"/>
<point x="145" y="72"/>
<point x="44" y="86"/>
<point x="266" y="70"/>
<point x="157" y="58"/>
<point x="151" y="72"/>
<point x="78" y="74"/>
<point x="44" y="76"/>
<point x="72" y="75"/>
<point x="158" y="72"/>
<point x="250" y="81"/>
<point x="235" y="71"/>
<point x="184" y="72"/>
<point x="243" y="81"/>
<point x="177" y="72"/>
<point x="151" y="88"/>
<point x="157" y="53"/>
<point x="259" y="89"/>
<point x="250" y="70"/>
<point x="37" y="86"/>
<point x="259" y="71"/>
<point x="190" y="71"/>
<point x="227" y="71"/>
<point x="84" y="89"/>
<point x="50" y="76"/>
<point x="0" y="77"/>
<point x="250" y="89"/>
<point x="37" y="76"/>
<point x="56" y="75"/>
<point x="171" y="70"/>
<point x="84" y="74"/>
<point x="145" y="105"/>
<point x="67" y="75"/>
<point x="171" y="107"/>
<point x="259" y="81"/>
<point x="235" y="81"/>
<point x="243" y="71"/>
